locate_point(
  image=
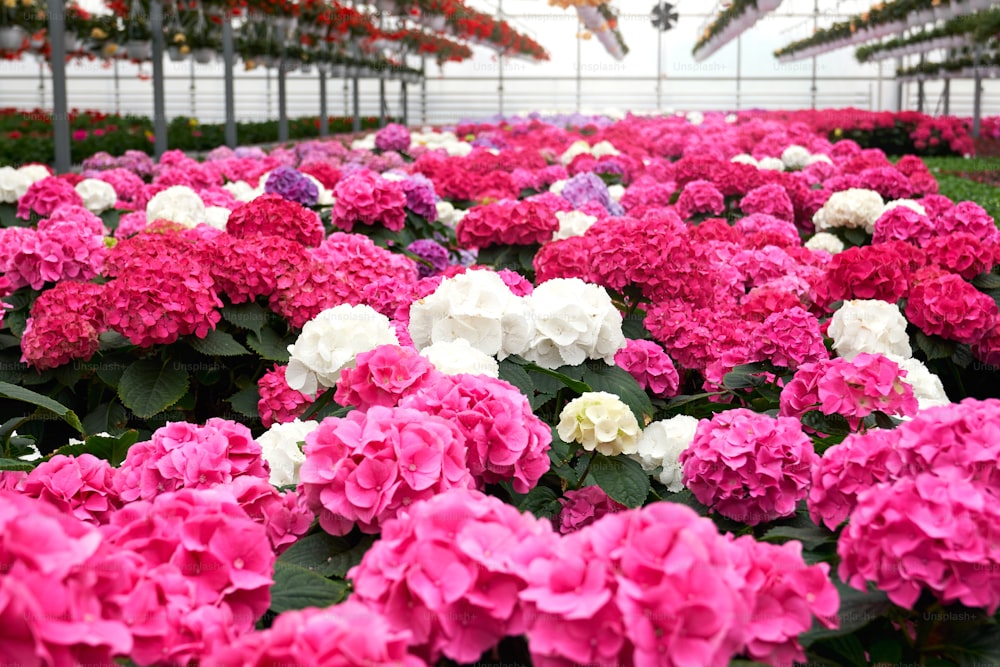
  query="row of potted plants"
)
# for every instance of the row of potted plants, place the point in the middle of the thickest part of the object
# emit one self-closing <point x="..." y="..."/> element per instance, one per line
<point x="963" y="65"/>
<point x="601" y="21"/>
<point x="890" y="18"/>
<point x="729" y="24"/>
<point x="954" y="34"/>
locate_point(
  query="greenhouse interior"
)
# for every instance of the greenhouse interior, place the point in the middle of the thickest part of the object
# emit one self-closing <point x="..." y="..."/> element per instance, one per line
<point x="508" y="333"/>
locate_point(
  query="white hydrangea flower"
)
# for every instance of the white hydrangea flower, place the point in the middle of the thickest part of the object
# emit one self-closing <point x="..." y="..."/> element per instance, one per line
<point x="580" y="147"/>
<point x="927" y="387"/>
<point x="331" y="341"/>
<point x="770" y="164"/>
<point x="660" y="446"/>
<point x="448" y="214"/>
<point x="13" y="185"/>
<point x="818" y="157"/>
<point x="280" y="446"/>
<point x="97" y="195"/>
<point x="855" y="209"/>
<point x="558" y="186"/>
<point x="616" y="191"/>
<point x="599" y="421"/>
<point x="365" y="143"/>
<point x="795" y="157"/>
<point x="241" y="191"/>
<point x="324" y="197"/>
<point x="695" y="117"/>
<point x="394" y="176"/>
<point x="869" y="325"/>
<point x="908" y="203"/>
<point x="33" y="173"/>
<point x="217" y="216"/>
<point x="603" y="148"/>
<point x="731" y="118"/>
<point x="458" y="356"/>
<point x="825" y="241"/>
<point x="574" y="321"/>
<point x="744" y="158"/>
<point x="572" y="223"/>
<point x="179" y="204"/>
<point x="476" y="306"/>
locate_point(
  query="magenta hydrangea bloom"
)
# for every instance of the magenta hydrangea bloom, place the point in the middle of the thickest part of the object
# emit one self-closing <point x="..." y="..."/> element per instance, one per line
<point x="450" y="570"/>
<point x="383" y="376"/>
<point x="505" y="440"/>
<point x="45" y="196"/>
<point x="699" y="198"/>
<point x="183" y="455"/>
<point x="367" y="198"/>
<point x="367" y="467"/>
<point x="80" y="486"/>
<point x="507" y="222"/>
<point x="278" y="402"/>
<point x="284" y="516"/>
<point x="392" y="137"/>
<point x="749" y="467"/>
<point x="582" y="507"/>
<point x="928" y="531"/>
<point x="275" y="215"/>
<point x="949" y="307"/>
<point x="65" y="324"/>
<point x="651" y="367"/>
<point x="771" y="199"/>
<point x="319" y="637"/>
<point x="788" y="338"/>
<point x="56" y="594"/>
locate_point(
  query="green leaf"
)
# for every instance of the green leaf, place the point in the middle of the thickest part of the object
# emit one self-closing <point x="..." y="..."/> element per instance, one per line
<point x="12" y="391"/>
<point x="245" y="401"/>
<point x="111" y="449"/>
<point x="325" y="554"/>
<point x="810" y="536"/>
<point x="634" y="326"/>
<point x="517" y="376"/>
<point x="248" y="316"/>
<point x="112" y="340"/>
<point x="149" y="386"/>
<point x="621" y="478"/>
<point x="217" y="344"/>
<point x="987" y="281"/>
<point x="616" y="380"/>
<point x="16" y="464"/>
<point x="270" y="345"/>
<point x="857" y="609"/>
<point x="828" y="424"/>
<point x="110" y="417"/>
<point x="574" y="384"/>
<point x="7" y="341"/>
<point x="542" y="502"/>
<point x="685" y="497"/>
<point x="934" y="347"/>
<point x="297" y="587"/>
<point x="886" y="651"/>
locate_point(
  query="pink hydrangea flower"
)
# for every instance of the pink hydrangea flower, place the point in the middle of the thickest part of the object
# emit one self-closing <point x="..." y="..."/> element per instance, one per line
<point x="852" y="389"/>
<point x="505" y="440"/>
<point x="961" y="253"/>
<point x="367" y="467"/>
<point x="949" y="307"/>
<point x="582" y="507"/>
<point x="650" y="366"/>
<point x="929" y="532"/>
<point x="273" y="215"/>
<point x="770" y="199"/>
<point x="45" y="196"/>
<point x="366" y="197"/>
<point x="749" y="467"/>
<point x="383" y="376"/>
<point x="321" y="636"/>
<point x="507" y="222"/>
<point x="902" y="223"/>
<point x="788" y="338"/>
<point x="55" y="595"/>
<point x="969" y="217"/>
<point x="64" y="325"/>
<point x="278" y="402"/>
<point x="699" y="198"/>
<point x="450" y="570"/>
<point x="183" y="455"/>
<point x="81" y="486"/>
<point x="284" y="516"/>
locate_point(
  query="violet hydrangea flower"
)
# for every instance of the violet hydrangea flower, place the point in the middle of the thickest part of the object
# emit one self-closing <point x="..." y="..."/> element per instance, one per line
<point x="292" y="185"/>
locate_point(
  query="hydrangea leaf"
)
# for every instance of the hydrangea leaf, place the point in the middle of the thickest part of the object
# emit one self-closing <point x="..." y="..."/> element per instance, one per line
<point x="621" y="478"/>
<point x="150" y="386"/>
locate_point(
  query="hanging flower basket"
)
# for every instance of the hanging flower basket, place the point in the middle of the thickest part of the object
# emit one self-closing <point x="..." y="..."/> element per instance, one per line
<point x="204" y="56"/>
<point x="11" y="38"/>
<point x="138" y="49"/>
<point x="176" y="54"/>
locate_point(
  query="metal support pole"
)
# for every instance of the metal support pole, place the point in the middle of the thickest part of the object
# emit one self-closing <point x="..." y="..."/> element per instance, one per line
<point x="423" y="90"/>
<point x="404" y="103"/>
<point x="899" y="88"/>
<point x="739" y="71"/>
<point x="977" y="107"/>
<point x="159" y="98"/>
<point x="659" y="70"/>
<point x="282" y="102"/>
<point x="579" y="68"/>
<point x="324" y="117"/>
<point x="947" y="97"/>
<point x="812" y="88"/>
<point x="192" y="90"/>
<point x="500" y="62"/>
<point x="228" y="54"/>
<point x="920" y="89"/>
<point x="41" y="85"/>
<point x="60" y="117"/>
<point x="347" y="97"/>
<point x="381" y="99"/>
<point x="356" y="117"/>
<point x="267" y="71"/>
<point x="118" y="89"/>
